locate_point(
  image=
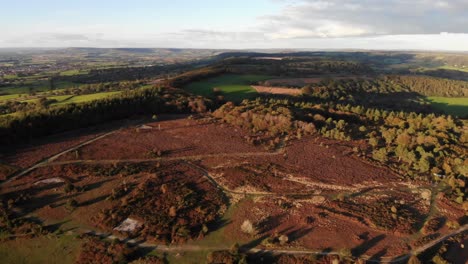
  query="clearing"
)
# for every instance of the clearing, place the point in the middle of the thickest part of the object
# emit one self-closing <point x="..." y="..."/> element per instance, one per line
<point x="233" y="87"/>
<point x="452" y="106"/>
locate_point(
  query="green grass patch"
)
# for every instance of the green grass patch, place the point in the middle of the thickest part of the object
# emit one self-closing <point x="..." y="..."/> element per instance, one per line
<point x="45" y="249"/>
<point x="10" y="76"/>
<point x="76" y="99"/>
<point x="73" y="72"/>
<point x="81" y="98"/>
<point x="9" y="97"/>
<point x="446" y="67"/>
<point x="233" y="87"/>
<point x="453" y="106"/>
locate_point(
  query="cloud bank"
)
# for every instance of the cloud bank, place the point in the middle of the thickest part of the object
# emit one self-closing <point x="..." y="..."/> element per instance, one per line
<point x="301" y="24"/>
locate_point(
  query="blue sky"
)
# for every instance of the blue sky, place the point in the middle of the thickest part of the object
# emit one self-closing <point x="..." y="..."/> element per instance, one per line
<point x="240" y="24"/>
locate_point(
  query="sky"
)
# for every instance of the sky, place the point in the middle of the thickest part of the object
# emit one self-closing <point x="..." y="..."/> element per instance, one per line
<point x="237" y="24"/>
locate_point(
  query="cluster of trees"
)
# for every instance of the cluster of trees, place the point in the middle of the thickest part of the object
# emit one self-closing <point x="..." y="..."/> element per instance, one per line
<point x="268" y="120"/>
<point x="94" y="250"/>
<point x="417" y="145"/>
<point x="125" y="73"/>
<point x="449" y="74"/>
<point x="428" y="86"/>
<point x="396" y="92"/>
<point x="45" y="121"/>
<point x="295" y="66"/>
<point x="195" y="75"/>
<point x="99" y="88"/>
<point x="391" y="87"/>
<point x="232" y="256"/>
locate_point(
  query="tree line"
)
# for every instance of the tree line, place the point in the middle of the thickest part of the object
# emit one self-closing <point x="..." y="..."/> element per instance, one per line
<point x="27" y="125"/>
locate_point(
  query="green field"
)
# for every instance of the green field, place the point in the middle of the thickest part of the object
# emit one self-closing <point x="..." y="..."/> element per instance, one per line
<point x="9" y="97"/>
<point x="233" y="87"/>
<point x="454" y="68"/>
<point x="73" y="72"/>
<point x="76" y="99"/>
<point x="46" y="249"/>
<point x="452" y="106"/>
<point x="67" y="99"/>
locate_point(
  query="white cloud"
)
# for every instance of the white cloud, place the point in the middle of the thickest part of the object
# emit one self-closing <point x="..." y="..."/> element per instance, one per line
<point x="343" y="18"/>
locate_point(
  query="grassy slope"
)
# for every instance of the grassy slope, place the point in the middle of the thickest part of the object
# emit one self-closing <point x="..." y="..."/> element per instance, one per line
<point x="453" y="106"/>
<point x="233" y="87"/>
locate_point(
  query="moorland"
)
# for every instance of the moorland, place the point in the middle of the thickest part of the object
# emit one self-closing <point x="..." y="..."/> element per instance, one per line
<point x="209" y="156"/>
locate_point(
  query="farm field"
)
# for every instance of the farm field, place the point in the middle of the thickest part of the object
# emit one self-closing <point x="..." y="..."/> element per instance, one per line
<point x="233" y="87"/>
<point x="293" y="190"/>
<point x="452" y="106"/>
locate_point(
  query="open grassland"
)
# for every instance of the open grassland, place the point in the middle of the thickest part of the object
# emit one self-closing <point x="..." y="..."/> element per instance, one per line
<point x="233" y="87"/>
<point x="452" y="106"/>
<point x="40" y="250"/>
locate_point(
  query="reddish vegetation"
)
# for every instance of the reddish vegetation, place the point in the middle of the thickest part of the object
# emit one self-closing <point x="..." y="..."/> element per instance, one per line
<point x="185" y="202"/>
<point x="316" y="192"/>
<point x="330" y="161"/>
<point x="181" y="137"/>
<point x="277" y="90"/>
<point x="313" y="160"/>
<point x="97" y="251"/>
<point x="309" y="226"/>
<point x="262" y="176"/>
<point x="28" y="155"/>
